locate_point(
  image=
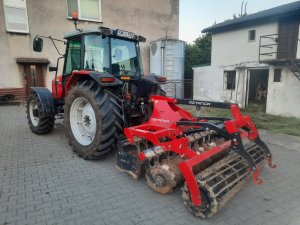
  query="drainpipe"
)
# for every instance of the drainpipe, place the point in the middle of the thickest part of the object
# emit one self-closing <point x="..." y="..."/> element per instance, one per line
<point x="163" y="45"/>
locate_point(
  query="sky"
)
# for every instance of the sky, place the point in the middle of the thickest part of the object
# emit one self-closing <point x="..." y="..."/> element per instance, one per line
<point x="195" y="15"/>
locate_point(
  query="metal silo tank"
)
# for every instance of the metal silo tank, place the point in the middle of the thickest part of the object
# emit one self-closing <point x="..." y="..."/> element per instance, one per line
<point x="167" y="59"/>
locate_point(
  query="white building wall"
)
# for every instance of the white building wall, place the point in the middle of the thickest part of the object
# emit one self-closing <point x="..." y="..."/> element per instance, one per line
<point x="284" y="97"/>
<point x="234" y="47"/>
<point x="209" y="85"/>
<point x="49" y="17"/>
<point x="206" y="86"/>
<point x="231" y="50"/>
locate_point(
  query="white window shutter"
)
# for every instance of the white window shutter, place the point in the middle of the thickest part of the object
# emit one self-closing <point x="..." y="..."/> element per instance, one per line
<point x="16" y="18"/>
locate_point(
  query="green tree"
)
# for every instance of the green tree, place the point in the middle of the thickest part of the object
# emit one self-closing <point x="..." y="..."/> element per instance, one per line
<point x="197" y="53"/>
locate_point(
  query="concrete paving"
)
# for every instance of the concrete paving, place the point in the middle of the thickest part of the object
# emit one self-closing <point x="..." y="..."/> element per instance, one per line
<point x="43" y="182"/>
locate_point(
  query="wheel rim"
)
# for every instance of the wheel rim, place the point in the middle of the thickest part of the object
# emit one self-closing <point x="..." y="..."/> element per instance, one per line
<point x="34" y="113"/>
<point x="83" y="121"/>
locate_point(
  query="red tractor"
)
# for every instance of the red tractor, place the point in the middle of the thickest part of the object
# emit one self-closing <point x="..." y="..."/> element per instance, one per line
<point x="109" y="104"/>
<point x="102" y="89"/>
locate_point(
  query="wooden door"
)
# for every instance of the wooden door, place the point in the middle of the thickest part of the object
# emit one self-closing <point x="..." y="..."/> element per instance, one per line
<point x="34" y="77"/>
<point x="288" y="39"/>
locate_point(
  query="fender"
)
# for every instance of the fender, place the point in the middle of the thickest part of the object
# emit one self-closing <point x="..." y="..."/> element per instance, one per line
<point x="46" y="99"/>
<point x="155" y="79"/>
<point x="149" y="84"/>
<point x="103" y="79"/>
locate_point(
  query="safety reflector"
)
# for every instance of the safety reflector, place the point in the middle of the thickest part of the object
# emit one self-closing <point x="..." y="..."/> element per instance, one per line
<point x="107" y="79"/>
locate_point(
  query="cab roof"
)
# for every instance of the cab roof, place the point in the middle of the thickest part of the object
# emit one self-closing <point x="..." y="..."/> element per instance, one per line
<point x="105" y="31"/>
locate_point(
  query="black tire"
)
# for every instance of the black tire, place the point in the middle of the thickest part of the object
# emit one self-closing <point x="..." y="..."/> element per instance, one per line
<point x="157" y="90"/>
<point x="43" y="125"/>
<point x="109" y="122"/>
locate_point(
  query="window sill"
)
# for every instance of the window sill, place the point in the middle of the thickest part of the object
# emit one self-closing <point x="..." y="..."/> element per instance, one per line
<point x="17" y="32"/>
<point x="87" y="20"/>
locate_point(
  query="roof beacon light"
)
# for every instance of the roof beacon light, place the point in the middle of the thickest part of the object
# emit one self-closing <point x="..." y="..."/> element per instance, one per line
<point x="75" y="15"/>
<point x="75" y="19"/>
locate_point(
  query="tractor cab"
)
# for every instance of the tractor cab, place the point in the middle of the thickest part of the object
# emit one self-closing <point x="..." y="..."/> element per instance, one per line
<point x="104" y="50"/>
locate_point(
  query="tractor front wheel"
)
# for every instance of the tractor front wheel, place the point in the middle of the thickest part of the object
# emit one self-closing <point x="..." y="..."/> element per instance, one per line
<point x="38" y="123"/>
<point x="93" y="120"/>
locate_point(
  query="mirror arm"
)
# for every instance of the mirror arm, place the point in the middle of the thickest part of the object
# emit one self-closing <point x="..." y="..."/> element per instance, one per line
<point x="49" y="37"/>
<point x="55" y="46"/>
<point x="52" y="40"/>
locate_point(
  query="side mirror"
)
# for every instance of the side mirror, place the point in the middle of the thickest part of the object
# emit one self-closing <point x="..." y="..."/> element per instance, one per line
<point x="52" y="68"/>
<point x="37" y="44"/>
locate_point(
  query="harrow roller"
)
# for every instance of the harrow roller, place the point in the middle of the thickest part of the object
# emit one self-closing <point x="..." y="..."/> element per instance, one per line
<point x="221" y="181"/>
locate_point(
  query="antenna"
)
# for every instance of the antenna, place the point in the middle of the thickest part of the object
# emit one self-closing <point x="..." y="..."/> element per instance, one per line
<point x="242" y="7"/>
<point x="245" y="13"/>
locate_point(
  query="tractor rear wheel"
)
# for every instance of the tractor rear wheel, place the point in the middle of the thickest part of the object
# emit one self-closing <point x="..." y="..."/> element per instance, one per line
<point x="93" y="120"/>
<point x="38" y="123"/>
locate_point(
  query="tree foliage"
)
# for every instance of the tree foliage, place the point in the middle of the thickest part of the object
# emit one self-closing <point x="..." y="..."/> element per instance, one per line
<point x="197" y="53"/>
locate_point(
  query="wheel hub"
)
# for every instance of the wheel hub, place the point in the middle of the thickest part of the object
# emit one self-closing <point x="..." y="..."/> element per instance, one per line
<point x="160" y="180"/>
<point x="163" y="177"/>
<point x="87" y="121"/>
<point x="83" y="121"/>
<point x="34" y="113"/>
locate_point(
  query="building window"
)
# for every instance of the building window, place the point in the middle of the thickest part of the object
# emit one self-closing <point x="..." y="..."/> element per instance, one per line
<point x="229" y="79"/>
<point x="277" y="75"/>
<point x="252" y="35"/>
<point x="89" y="10"/>
<point x="16" y="18"/>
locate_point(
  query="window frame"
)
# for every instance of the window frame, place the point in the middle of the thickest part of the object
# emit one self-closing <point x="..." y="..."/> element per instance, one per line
<point x="6" y="4"/>
<point x="249" y="35"/>
<point x="79" y="12"/>
<point x="225" y="77"/>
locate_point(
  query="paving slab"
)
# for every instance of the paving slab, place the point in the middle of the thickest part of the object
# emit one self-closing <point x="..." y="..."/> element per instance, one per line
<point x="43" y="182"/>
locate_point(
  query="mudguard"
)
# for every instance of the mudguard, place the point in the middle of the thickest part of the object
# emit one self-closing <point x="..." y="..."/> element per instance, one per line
<point x="93" y="75"/>
<point x="153" y="78"/>
<point x="47" y="101"/>
<point x="97" y="77"/>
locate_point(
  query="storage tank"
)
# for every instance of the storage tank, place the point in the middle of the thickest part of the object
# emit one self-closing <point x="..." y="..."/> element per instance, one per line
<point x="167" y="59"/>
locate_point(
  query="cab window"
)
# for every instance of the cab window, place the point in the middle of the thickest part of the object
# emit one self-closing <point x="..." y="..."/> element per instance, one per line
<point x="96" y="53"/>
<point x="124" y="57"/>
<point x="73" y="56"/>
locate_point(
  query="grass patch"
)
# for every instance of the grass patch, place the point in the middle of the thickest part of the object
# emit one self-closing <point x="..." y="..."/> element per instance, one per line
<point x="277" y="124"/>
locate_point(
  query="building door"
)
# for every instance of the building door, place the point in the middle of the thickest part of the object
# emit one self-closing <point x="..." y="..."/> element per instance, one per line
<point x="34" y="76"/>
<point x="288" y="39"/>
<point x="258" y="89"/>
